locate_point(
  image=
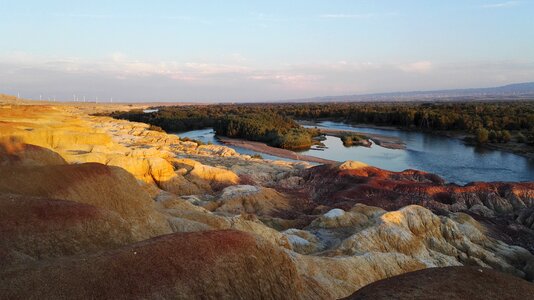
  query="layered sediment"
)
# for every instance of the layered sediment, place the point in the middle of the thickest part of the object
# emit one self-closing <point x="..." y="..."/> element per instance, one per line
<point x="93" y="207"/>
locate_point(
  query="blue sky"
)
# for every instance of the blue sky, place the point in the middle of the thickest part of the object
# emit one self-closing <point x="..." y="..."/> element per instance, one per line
<point x="260" y="50"/>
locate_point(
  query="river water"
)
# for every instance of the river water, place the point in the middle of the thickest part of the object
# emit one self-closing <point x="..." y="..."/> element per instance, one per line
<point x="208" y="136"/>
<point x="450" y="158"/>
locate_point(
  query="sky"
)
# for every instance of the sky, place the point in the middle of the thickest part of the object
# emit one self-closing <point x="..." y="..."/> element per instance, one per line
<point x="213" y="51"/>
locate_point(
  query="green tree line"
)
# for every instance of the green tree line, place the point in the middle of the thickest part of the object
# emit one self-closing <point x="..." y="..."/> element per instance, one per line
<point x="273" y="123"/>
<point x="231" y="121"/>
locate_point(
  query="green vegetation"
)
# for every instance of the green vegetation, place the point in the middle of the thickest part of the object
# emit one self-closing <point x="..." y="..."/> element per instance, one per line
<point x="172" y="119"/>
<point x="482" y="135"/>
<point x="500" y="136"/>
<point x="231" y="121"/>
<point x="503" y="122"/>
<point x="446" y="116"/>
<point x="273" y="129"/>
<point x="485" y="122"/>
<point x="353" y="139"/>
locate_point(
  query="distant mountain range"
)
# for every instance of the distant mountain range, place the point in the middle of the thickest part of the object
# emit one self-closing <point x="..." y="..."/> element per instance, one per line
<point x="507" y="92"/>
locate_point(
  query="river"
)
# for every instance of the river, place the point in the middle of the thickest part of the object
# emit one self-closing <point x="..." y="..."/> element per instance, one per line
<point x="448" y="157"/>
<point x="207" y="136"/>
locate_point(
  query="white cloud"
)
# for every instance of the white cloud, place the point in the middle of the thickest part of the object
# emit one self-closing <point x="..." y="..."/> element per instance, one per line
<point x="357" y="16"/>
<point x="128" y="79"/>
<point x="501" y="4"/>
<point x="417" y="67"/>
<point x="84" y="16"/>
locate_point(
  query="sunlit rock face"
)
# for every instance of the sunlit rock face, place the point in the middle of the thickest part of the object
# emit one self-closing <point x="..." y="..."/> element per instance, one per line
<point x="352" y="165"/>
<point x="216" y="150"/>
<point x="249" y="199"/>
<point x="148" y="155"/>
<point x="352" y="182"/>
<point x="146" y="215"/>
<point x="186" y="217"/>
<point x="414" y="232"/>
<point x="342" y="186"/>
<point x="336" y="277"/>
<point x="437" y="241"/>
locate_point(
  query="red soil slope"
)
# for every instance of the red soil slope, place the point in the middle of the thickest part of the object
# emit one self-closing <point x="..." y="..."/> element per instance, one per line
<point x="449" y="283"/>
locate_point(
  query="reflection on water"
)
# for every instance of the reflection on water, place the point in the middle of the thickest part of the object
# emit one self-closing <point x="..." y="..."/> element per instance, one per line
<point x="449" y="158"/>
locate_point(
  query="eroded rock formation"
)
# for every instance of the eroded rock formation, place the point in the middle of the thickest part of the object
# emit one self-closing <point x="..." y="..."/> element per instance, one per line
<point x="92" y="207"/>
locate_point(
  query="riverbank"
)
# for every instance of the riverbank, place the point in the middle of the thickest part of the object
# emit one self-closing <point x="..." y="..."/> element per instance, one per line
<point x="264" y="148"/>
<point x="510" y="147"/>
<point x="522" y="150"/>
<point x="389" y="142"/>
<point x="385" y="141"/>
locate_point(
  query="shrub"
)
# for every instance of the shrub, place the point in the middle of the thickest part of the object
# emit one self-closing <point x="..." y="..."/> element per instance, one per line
<point x="482" y="135"/>
<point x="350" y="139"/>
<point x="293" y="139"/>
<point x="506" y="136"/>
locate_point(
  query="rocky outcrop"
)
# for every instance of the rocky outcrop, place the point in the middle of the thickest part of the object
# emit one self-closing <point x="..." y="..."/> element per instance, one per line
<point x="92" y="207"/>
<point x="526" y="217"/>
<point x="349" y="183"/>
<point x="148" y="155"/>
<point x="50" y="127"/>
<point x="214" y="177"/>
<point x="216" y="150"/>
<point x="448" y="283"/>
<point x="336" y="277"/>
<point x="437" y="242"/>
<point x="495" y="205"/>
<point x="338" y="218"/>
<point x="412" y="231"/>
<point x="186" y="217"/>
<point x="249" y="199"/>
